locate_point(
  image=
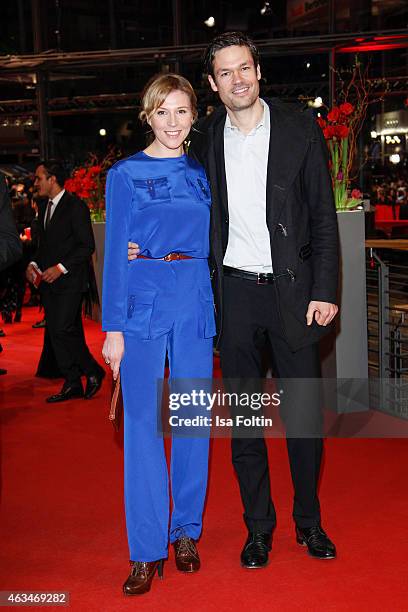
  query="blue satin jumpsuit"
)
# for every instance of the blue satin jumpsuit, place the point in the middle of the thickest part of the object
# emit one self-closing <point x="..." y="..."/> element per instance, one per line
<point x="162" y="204"/>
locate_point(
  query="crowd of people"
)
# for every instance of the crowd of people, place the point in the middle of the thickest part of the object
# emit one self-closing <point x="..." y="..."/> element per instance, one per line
<point x="392" y="192"/>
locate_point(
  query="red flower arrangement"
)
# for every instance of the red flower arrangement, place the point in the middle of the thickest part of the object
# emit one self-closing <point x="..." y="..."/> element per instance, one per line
<point x="341" y="129"/>
<point x="88" y="182"/>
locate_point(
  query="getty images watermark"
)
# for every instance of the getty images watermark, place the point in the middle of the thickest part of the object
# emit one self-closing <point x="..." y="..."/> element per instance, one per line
<point x="283" y="407"/>
<point x="200" y="399"/>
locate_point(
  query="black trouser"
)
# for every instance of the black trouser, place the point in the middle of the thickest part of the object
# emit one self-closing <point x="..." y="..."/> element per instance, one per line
<point x="63" y="314"/>
<point x="249" y="311"/>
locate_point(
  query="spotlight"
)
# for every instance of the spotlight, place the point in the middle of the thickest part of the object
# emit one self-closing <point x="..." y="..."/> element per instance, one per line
<point x="318" y="102"/>
<point x="102" y="132"/>
<point x="210" y="22"/>
<point x="266" y="9"/>
<point x="308" y="64"/>
<point x="395" y="158"/>
<point x="373" y="134"/>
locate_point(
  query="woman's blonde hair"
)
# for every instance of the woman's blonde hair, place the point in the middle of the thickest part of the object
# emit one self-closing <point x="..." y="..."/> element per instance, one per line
<point x="157" y="90"/>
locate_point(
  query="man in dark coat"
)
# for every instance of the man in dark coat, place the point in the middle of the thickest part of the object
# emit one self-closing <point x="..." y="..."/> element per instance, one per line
<point x="10" y="243"/>
<point x="275" y="263"/>
<point x="66" y="243"/>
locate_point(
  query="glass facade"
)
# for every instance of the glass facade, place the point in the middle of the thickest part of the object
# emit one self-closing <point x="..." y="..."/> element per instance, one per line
<point x="295" y="37"/>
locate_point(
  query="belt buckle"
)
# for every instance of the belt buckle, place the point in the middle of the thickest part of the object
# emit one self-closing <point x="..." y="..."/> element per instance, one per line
<point x="262" y="279"/>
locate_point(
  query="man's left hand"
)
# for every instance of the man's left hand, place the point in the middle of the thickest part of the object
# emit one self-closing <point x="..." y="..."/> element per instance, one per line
<point x="51" y="274"/>
<point x="322" y="312"/>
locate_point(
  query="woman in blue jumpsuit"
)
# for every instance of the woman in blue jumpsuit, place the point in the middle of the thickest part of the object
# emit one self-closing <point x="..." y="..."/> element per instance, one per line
<point x="159" y="304"/>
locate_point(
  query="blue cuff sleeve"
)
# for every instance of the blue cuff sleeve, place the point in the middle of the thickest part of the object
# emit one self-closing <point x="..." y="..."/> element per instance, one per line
<point x="115" y="271"/>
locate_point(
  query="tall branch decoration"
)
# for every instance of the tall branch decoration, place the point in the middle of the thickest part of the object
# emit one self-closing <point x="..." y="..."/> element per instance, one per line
<point x="341" y="129"/>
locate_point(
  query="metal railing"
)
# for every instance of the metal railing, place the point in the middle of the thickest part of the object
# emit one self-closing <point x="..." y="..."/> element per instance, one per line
<point x="387" y="318"/>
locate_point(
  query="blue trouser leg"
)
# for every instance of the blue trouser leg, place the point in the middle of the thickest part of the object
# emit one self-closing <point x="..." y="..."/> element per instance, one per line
<point x="146" y="478"/>
<point x="189" y="358"/>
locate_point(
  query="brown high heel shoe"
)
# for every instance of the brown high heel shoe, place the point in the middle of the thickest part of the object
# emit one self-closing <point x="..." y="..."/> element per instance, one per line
<point x="141" y="575"/>
<point x="187" y="558"/>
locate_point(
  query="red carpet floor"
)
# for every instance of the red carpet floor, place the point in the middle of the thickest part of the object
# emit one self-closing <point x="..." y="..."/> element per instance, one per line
<point x="62" y="524"/>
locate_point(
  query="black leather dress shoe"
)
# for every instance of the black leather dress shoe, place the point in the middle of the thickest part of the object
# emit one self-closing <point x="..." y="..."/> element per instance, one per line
<point x="67" y="392"/>
<point x="39" y="324"/>
<point x="317" y="542"/>
<point x="256" y="549"/>
<point x="94" y="383"/>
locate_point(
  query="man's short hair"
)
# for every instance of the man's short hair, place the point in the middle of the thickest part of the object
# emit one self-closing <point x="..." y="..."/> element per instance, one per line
<point x="54" y="167"/>
<point x="228" y="39"/>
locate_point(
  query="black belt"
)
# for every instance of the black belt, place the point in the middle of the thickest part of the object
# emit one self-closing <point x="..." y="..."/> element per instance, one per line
<point x="261" y="278"/>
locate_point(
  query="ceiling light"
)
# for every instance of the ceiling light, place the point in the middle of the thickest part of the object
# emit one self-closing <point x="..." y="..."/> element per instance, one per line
<point x="373" y="134"/>
<point x="395" y="158"/>
<point x="266" y="9"/>
<point x="210" y="22"/>
<point x="102" y="132"/>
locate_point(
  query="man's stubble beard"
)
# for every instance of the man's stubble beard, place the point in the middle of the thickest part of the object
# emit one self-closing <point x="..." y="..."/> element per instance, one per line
<point x="245" y="105"/>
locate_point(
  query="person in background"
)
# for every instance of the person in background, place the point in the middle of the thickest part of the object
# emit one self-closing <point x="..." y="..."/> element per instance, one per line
<point x="10" y="245"/>
<point x="66" y="243"/>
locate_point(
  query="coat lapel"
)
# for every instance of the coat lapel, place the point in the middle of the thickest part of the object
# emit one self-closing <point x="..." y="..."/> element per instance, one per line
<point x="218" y="144"/>
<point x="59" y="211"/>
<point x="288" y="144"/>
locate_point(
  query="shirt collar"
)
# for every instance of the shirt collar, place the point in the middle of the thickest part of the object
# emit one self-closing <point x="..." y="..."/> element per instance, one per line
<point x="58" y="197"/>
<point x="263" y="124"/>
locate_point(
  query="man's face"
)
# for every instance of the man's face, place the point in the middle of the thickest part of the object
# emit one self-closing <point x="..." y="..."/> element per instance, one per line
<point x="236" y="78"/>
<point x="42" y="182"/>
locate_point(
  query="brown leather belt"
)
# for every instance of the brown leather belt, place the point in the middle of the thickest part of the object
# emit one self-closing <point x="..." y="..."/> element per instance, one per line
<point x="169" y="257"/>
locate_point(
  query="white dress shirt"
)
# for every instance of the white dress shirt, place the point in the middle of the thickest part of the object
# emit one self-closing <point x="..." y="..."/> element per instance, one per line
<point x="54" y="204"/>
<point x="246" y="163"/>
<point x="53" y="207"/>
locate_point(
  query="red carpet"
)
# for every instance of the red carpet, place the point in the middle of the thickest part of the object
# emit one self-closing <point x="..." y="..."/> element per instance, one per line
<point x="63" y="527"/>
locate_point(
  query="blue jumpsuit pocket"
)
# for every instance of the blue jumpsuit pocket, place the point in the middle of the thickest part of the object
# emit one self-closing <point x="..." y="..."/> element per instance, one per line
<point x="139" y="314"/>
<point x="201" y="188"/>
<point x="151" y="191"/>
<point x="206" y="321"/>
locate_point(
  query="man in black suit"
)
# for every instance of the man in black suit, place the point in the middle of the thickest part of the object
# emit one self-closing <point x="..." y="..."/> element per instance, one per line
<point x="275" y="258"/>
<point x="66" y="243"/>
<point x="10" y="243"/>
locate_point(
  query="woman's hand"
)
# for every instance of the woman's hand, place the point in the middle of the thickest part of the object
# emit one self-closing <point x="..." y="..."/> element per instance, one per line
<point x="113" y="351"/>
<point x="133" y="250"/>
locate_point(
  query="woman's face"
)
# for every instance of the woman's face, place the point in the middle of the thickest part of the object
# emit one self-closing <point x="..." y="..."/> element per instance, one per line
<point x="171" y="122"/>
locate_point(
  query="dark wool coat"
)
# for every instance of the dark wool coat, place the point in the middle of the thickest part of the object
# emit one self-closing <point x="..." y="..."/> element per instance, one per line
<point x="300" y="214"/>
